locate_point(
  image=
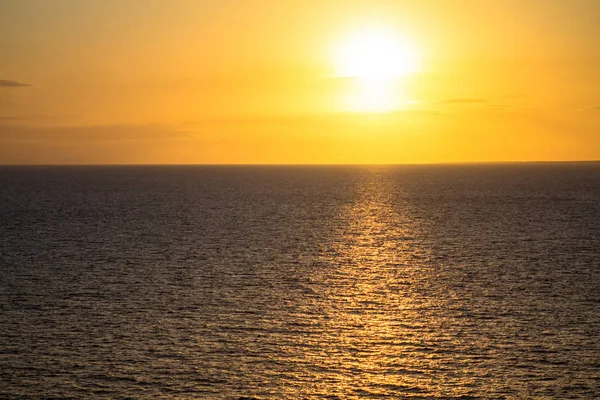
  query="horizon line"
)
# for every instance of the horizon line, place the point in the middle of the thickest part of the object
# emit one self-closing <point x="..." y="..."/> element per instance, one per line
<point x="307" y="164"/>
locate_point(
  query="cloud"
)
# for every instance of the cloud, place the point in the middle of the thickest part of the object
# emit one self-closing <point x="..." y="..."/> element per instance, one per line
<point x="463" y="101"/>
<point x="11" y="84"/>
<point x="331" y="118"/>
<point x="13" y="118"/>
<point x="591" y="109"/>
<point x="104" y="144"/>
<point x="500" y="108"/>
<point x="36" y="118"/>
<point x="92" y="133"/>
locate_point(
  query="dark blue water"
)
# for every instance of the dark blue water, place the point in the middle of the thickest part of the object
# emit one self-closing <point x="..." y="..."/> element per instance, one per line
<point x="480" y="281"/>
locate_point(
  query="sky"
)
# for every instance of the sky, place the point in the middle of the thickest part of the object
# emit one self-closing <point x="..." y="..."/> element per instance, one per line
<point x="299" y="81"/>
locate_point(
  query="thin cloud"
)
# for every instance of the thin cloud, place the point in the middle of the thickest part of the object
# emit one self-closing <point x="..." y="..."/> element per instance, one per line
<point x="496" y="107"/>
<point x="334" y="118"/>
<point x="35" y="118"/>
<point x="13" y="118"/>
<point x="463" y="101"/>
<point x="592" y="109"/>
<point x="11" y="84"/>
<point x="92" y="133"/>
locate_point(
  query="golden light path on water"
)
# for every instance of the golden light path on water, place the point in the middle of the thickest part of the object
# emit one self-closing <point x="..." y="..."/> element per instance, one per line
<point x="368" y="282"/>
<point x="377" y="330"/>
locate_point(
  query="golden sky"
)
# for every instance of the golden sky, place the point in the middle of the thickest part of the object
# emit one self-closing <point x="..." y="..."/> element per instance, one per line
<point x="302" y="81"/>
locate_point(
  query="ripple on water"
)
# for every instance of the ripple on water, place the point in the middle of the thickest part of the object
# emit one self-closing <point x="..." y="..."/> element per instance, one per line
<point x="289" y="282"/>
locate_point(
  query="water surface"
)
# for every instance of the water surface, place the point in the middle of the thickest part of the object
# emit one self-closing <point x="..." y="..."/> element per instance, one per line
<point x="480" y="281"/>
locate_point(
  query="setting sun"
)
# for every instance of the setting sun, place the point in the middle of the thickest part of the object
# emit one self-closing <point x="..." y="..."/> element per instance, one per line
<point x="376" y="55"/>
<point x="377" y="59"/>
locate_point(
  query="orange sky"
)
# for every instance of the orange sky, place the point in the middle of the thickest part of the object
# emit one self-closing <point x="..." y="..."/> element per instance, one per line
<point x="191" y="81"/>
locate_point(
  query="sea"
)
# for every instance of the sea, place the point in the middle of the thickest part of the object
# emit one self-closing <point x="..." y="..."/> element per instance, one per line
<point x="475" y="281"/>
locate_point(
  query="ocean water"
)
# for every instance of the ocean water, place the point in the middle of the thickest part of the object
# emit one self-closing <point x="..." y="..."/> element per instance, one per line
<point x="447" y="281"/>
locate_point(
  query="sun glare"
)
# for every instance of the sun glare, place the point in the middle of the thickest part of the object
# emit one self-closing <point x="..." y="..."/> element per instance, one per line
<point x="377" y="59"/>
<point x="375" y="55"/>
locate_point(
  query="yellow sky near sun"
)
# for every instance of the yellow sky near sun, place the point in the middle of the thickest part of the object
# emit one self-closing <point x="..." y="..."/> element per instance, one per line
<point x="260" y="81"/>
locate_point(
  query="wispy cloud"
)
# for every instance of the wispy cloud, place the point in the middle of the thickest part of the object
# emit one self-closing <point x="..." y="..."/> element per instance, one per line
<point x="93" y="133"/>
<point x="37" y="118"/>
<point x="590" y="109"/>
<point x="463" y="101"/>
<point x="11" y="84"/>
<point x="323" y="119"/>
<point x="497" y="107"/>
<point x="10" y="118"/>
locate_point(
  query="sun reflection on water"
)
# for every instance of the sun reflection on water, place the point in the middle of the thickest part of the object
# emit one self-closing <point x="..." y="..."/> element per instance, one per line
<point x="369" y="296"/>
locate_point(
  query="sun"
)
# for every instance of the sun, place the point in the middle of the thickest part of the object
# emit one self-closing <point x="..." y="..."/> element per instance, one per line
<point x="375" y="54"/>
<point x="377" y="59"/>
